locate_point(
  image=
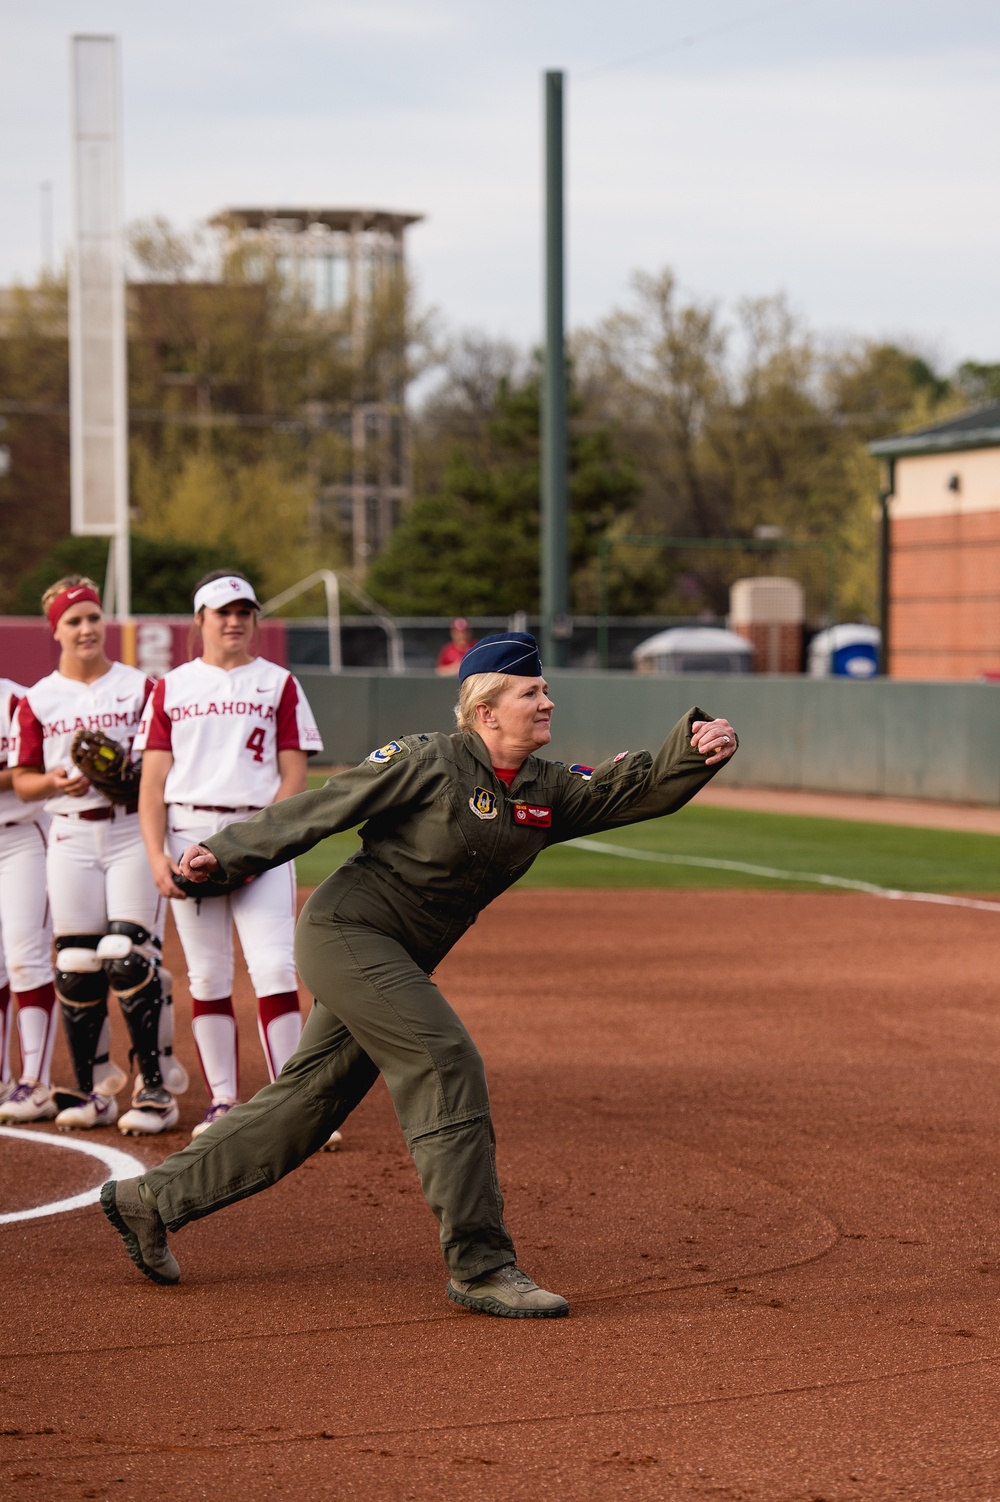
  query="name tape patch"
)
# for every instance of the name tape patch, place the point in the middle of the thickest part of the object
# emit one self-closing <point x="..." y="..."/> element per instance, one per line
<point x="533" y="814"/>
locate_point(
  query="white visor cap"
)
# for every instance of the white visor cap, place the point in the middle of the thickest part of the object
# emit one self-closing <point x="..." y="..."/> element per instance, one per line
<point x="219" y="592"/>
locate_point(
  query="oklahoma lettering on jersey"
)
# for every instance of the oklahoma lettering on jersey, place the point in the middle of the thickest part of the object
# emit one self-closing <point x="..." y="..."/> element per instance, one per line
<point x="12" y="810"/>
<point x="50" y="714"/>
<point x="224" y="730"/>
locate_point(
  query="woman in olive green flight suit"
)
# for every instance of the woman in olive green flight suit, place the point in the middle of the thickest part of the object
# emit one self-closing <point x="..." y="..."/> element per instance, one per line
<point x="452" y="821"/>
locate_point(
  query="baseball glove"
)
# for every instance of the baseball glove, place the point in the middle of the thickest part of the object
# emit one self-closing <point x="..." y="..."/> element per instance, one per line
<point x="200" y="889"/>
<point x="106" y="765"/>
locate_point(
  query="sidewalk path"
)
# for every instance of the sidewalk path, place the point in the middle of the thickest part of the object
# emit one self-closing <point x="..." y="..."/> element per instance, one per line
<point x="972" y="818"/>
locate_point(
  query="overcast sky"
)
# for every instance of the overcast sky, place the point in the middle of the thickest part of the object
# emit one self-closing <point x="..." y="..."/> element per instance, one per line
<point x="846" y="152"/>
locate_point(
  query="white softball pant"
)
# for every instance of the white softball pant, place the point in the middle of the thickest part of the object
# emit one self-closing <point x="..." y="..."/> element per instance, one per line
<point x="26" y="950"/>
<point x="263" y="912"/>
<point x="25" y="928"/>
<point x="98" y="871"/>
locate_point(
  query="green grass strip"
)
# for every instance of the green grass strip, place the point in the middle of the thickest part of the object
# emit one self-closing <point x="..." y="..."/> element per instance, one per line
<point x="815" y="878"/>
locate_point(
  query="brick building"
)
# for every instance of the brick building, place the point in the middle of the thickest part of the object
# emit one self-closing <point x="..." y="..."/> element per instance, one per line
<point x="941" y="564"/>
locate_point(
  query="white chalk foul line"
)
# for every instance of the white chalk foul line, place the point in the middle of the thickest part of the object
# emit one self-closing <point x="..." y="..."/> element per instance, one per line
<point x="816" y="878"/>
<point x="120" y="1166"/>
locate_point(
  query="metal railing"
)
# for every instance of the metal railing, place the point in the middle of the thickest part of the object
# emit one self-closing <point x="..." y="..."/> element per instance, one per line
<point x="332" y="584"/>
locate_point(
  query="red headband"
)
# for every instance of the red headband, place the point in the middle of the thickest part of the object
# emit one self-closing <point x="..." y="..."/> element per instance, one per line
<point x="77" y="594"/>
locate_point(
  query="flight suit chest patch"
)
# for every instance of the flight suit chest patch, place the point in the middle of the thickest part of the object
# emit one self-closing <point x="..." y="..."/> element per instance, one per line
<point x="483" y="803"/>
<point x="533" y="815"/>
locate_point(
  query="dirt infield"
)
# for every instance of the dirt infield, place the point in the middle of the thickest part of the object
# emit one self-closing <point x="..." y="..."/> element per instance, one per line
<point x="752" y="1136"/>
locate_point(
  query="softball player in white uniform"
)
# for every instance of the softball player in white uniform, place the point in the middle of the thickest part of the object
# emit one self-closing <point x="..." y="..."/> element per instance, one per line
<point x="25" y="941"/>
<point x="222" y="737"/>
<point x="106" y="911"/>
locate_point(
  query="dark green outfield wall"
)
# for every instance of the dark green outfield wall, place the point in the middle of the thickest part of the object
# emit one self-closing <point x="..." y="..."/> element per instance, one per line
<point x="910" y="740"/>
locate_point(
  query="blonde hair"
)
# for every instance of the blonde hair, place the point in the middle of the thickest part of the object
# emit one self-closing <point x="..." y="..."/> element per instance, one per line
<point x="69" y="582"/>
<point x="479" y="688"/>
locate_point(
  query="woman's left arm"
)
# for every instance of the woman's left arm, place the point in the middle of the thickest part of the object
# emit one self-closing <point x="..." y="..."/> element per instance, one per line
<point x="634" y="785"/>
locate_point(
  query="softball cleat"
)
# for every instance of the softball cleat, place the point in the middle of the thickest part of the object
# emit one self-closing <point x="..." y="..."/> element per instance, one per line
<point x="153" y="1110"/>
<point x="173" y="1074"/>
<point x="94" y="1110"/>
<point x="508" y="1292"/>
<point x="28" y="1102"/>
<point x="333" y="1143"/>
<point x="215" y="1112"/>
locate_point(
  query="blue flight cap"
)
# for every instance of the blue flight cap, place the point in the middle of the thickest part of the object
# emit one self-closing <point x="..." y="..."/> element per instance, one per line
<point x="504" y="652"/>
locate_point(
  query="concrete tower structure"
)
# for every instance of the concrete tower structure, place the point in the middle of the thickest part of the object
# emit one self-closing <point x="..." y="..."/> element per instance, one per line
<point x="350" y="266"/>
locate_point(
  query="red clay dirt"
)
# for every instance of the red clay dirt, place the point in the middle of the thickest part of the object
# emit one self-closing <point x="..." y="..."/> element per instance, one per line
<point x="751" y="1135"/>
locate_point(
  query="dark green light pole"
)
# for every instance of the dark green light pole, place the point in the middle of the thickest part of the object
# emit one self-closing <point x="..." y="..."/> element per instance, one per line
<point x="556" y="624"/>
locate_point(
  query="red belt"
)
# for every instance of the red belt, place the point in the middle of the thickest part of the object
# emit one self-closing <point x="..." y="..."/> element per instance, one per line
<point x="92" y="815"/>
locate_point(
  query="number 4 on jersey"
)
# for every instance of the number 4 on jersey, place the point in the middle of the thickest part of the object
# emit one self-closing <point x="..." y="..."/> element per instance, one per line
<point x="256" y="743"/>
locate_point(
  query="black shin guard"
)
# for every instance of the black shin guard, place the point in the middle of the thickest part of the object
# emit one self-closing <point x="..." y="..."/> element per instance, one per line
<point x="83" y="1021"/>
<point x="83" y="1002"/>
<point x="135" y="980"/>
<point x="141" y="1009"/>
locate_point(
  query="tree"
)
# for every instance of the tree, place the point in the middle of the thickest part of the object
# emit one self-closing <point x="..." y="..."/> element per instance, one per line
<point x="241" y="397"/>
<point x="165" y="572"/>
<point x="34" y="403"/>
<point x="978" y="383"/>
<point x="472" y="545"/>
<point x="749" y="426"/>
<point x="256" y="510"/>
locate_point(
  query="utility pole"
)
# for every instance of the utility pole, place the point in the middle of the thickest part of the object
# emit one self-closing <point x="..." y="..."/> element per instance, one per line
<point x="556" y="624"/>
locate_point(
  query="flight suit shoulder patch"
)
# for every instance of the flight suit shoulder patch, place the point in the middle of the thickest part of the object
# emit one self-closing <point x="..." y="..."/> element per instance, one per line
<point x="389" y="752"/>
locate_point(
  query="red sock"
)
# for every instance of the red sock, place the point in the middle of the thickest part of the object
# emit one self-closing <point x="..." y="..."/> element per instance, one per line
<point x="36" y="1027"/>
<point x="4" y="1035"/>
<point x="214" y="1026"/>
<point x="279" y="1024"/>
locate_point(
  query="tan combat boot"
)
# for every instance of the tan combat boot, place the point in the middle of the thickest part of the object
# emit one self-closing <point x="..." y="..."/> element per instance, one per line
<point x="137" y="1220"/>
<point x="508" y="1292"/>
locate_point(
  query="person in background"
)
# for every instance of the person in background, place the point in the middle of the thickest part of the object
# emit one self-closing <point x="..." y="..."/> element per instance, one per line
<point x="224" y="736"/>
<point x="451" y="654"/>
<point x="99" y="882"/>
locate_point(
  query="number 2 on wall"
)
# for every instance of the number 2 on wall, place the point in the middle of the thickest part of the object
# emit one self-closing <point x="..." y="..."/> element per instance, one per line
<point x="256" y="743"/>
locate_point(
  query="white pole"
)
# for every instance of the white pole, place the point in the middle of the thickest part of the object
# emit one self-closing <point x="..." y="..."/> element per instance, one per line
<point x="98" y="374"/>
<point x="332" y="586"/>
<point x="119" y="345"/>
